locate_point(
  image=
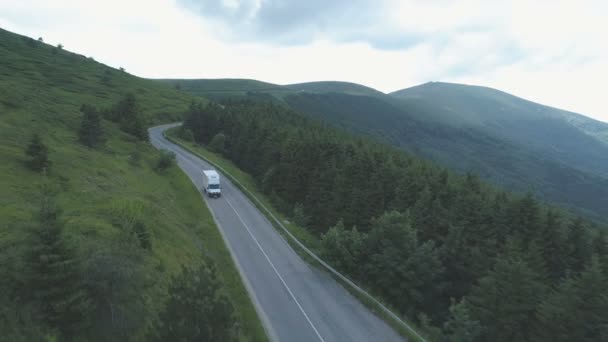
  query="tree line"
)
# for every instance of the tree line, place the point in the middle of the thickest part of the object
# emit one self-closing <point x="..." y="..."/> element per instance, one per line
<point x="468" y="261"/>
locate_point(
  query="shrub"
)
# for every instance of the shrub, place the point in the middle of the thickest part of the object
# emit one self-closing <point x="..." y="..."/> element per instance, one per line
<point x="166" y="160"/>
<point x="218" y="143"/>
<point x="37" y="151"/>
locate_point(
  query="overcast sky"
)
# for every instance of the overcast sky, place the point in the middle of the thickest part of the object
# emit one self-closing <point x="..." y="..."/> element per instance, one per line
<point x="553" y="52"/>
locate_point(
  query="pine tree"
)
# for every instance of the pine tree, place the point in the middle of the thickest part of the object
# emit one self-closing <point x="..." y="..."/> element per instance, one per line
<point x="552" y="243"/>
<point x="460" y="326"/>
<point x="197" y="310"/>
<point x="343" y="248"/>
<point x="91" y="131"/>
<point x="578" y="309"/>
<point x="38" y="155"/>
<point x="579" y="244"/>
<point x="53" y="277"/>
<point x="399" y="265"/>
<point x="505" y="300"/>
<point x="129" y="116"/>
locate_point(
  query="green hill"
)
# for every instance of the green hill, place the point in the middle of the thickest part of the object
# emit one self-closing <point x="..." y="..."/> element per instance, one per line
<point x="569" y="138"/>
<point x="463" y="148"/>
<point x="222" y="86"/>
<point x="132" y="228"/>
<point x="520" y="145"/>
<point x="335" y="87"/>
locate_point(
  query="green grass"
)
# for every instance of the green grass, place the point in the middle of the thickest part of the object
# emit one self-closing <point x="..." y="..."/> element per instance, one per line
<point x="41" y="90"/>
<point x="246" y="182"/>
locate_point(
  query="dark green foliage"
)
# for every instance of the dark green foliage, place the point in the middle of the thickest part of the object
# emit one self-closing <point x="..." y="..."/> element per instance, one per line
<point x="344" y="249"/>
<point x="424" y="235"/>
<point x="91" y="131"/>
<point x="143" y="235"/>
<point x="186" y="134"/>
<point x="400" y="266"/>
<point x="54" y="277"/>
<point x="127" y="113"/>
<point x="195" y="297"/>
<point x="580" y="244"/>
<point x="460" y="326"/>
<point x="16" y="323"/>
<point x="115" y="276"/>
<point x="37" y="153"/>
<point x="505" y="300"/>
<point x="299" y="216"/>
<point x="218" y="143"/>
<point x="507" y="141"/>
<point x="577" y="309"/>
<point x="166" y="160"/>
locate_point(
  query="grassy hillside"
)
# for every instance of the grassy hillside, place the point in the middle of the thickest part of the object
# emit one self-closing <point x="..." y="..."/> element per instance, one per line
<point x="335" y="87"/>
<point x="41" y="90"/>
<point x="214" y="88"/>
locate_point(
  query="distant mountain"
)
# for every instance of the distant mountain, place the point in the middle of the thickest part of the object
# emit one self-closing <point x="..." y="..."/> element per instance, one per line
<point x="523" y="146"/>
<point x="335" y="87"/>
<point x="223" y="87"/>
<point x="566" y="137"/>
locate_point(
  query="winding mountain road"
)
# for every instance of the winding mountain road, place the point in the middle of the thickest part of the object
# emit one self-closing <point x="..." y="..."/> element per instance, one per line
<point x="295" y="301"/>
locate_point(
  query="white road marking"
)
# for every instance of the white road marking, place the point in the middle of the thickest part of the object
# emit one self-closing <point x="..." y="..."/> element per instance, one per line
<point x="177" y="151"/>
<point x="275" y="270"/>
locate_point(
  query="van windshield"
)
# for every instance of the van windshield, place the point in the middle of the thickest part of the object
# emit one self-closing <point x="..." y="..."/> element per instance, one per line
<point x="214" y="186"/>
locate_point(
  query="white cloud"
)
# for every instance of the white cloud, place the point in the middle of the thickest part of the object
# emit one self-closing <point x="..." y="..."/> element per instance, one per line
<point x="553" y="52"/>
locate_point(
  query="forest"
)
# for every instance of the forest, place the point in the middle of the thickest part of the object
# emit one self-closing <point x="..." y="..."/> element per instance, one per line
<point x="465" y="260"/>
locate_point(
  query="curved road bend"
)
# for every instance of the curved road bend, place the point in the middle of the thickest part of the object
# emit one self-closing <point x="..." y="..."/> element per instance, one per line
<point x="295" y="301"/>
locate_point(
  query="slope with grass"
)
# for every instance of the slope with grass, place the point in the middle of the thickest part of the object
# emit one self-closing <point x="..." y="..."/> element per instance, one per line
<point x="223" y="87"/>
<point x="41" y="90"/>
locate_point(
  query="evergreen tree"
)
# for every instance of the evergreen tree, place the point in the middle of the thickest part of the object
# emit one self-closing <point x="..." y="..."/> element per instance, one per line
<point x="53" y="277"/>
<point x="505" y="300"/>
<point x="91" y="131"/>
<point x="579" y="244"/>
<point x="115" y="275"/>
<point x="344" y="249"/>
<point x="578" y="309"/>
<point x="38" y="154"/>
<point x="197" y="310"/>
<point x="218" y="143"/>
<point x="400" y="266"/>
<point x="552" y="243"/>
<point x="331" y="176"/>
<point x="460" y="326"/>
<point x="129" y="116"/>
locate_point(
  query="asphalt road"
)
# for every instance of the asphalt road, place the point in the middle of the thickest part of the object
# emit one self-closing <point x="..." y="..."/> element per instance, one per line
<point x="296" y="302"/>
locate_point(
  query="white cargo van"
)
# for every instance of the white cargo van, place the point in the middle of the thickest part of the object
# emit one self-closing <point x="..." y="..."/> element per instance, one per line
<point x="211" y="183"/>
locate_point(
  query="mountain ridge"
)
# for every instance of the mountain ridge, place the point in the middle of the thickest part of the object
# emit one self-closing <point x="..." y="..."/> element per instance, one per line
<point x="513" y="142"/>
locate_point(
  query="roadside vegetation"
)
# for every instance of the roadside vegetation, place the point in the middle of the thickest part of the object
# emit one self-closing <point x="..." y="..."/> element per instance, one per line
<point x="102" y="238"/>
<point x="466" y="261"/>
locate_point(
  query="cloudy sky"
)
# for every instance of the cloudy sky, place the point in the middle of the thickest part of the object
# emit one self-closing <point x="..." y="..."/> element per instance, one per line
<point x="554" y="52"/>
